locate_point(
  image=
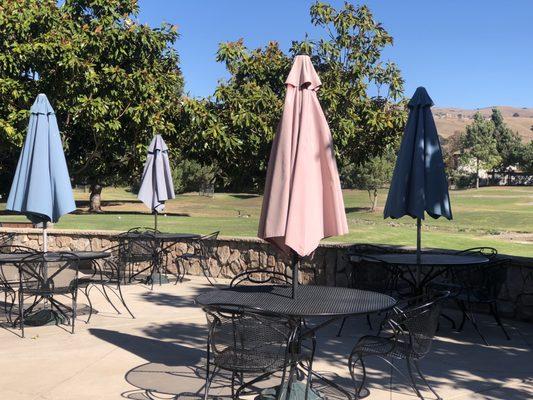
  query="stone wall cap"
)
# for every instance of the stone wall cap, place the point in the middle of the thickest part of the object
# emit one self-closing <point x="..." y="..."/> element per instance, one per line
<point x="517" y="260"/>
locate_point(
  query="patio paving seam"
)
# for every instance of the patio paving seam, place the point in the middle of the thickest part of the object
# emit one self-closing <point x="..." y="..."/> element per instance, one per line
<point x="78" y="372"/>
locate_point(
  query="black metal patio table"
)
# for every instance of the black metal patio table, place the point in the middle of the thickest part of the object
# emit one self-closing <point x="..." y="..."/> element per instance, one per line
<point x="332" y="303"/>
<point x="433" y="265"/>
<point x="51" y="256"/>
<point x="164" y="241"/>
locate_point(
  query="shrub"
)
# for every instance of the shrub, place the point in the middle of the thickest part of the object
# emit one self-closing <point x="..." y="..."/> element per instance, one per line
<point x="465" y="181"/>
<point x="190" y="175"/>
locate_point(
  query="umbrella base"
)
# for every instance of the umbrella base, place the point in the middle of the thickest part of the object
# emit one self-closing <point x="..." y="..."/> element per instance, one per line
<point x="44" y="317"/>
<point x="157" y="277"/>
<point x="297" y="392"/>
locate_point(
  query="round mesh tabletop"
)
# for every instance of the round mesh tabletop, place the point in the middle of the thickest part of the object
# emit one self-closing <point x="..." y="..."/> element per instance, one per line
<point x="429" y="260"/>
<point x="82" y="255"/>
<point x="311" y="301"/>
<point x="164" y="237"/>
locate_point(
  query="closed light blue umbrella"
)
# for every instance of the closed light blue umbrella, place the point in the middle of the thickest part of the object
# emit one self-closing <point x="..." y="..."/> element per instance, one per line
<point x="156" y="185"/>
<point x="41" y="188"/>
<point x="419" y="184"/>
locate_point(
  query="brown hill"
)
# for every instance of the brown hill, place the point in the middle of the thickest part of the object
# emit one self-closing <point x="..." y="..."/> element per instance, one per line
<point x="451" y="120"/>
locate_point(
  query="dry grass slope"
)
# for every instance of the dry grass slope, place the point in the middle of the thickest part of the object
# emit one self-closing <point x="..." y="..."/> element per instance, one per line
<point x="451" y="120"/>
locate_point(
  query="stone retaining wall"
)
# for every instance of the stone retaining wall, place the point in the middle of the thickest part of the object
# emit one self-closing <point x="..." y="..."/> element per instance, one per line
<point x="327" y="266"/>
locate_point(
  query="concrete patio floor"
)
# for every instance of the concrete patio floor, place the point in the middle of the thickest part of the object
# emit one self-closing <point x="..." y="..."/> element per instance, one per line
<point x="116" y="357"/>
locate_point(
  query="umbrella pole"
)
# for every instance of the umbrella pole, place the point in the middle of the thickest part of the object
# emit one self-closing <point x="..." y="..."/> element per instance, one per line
<point x="45" y="236"/>
<point x="155" y="222"/>
<point x="295" y="266"/>
<point x="418" y="248"/>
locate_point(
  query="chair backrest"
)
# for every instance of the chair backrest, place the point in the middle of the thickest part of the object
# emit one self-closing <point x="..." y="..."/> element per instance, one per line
<point x="6" y="237"/>
<point x="370" y="273"/>
<point x="137" y="245"/>
<point x="485" y="280"/>
<point x="244" y="339"/>
<point x="261" y="277"/>
<point x="9" y="248"/>
<point x="489" y="252"/>
<point x="51" y="272"/>
<point x="143" y="229"/>
<point x="367" y="248"/>
<point x="208" y="245"/>
<point x="9" y="272"/>
<point x="419" y="321"/>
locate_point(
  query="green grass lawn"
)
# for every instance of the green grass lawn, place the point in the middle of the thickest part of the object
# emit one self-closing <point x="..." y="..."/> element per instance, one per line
<point x="500" y="217"/>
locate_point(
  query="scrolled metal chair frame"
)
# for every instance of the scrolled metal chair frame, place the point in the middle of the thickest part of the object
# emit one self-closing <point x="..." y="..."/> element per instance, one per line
<point x="413" y="329"/>
<point x="231" y="315"/>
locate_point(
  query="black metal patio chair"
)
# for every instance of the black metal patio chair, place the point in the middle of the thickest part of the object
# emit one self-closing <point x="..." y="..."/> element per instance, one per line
<point x="138" y="253"/>
<point x="9" y="278"/>
<point x="260" y="276"/>
<point x="480" y="286"/>
<point x="413" y="329"/>
<point x="477" y="285"/>
<point x="376" y="276"/>
<point x="205" y="249"/>
<point x="105" y="276"/>
<point x="248" y="342"/>
<point x="47" y="278"/>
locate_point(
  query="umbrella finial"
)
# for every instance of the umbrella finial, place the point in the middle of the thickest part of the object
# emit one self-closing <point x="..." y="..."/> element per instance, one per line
<point x="420" y="98"/>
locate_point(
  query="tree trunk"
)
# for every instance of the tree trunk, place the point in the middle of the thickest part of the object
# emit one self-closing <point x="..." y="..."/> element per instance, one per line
<point x="95" y="198"/>
<point x="477" y="173"/>
<point x="373" y="196"/>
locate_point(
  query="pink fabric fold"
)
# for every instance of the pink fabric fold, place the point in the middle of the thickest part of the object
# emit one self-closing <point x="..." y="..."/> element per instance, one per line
<point x="303" y="200"/>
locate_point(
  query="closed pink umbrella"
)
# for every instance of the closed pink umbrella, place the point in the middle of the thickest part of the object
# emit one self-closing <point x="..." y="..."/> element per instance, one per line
<point x="303" y="199"/>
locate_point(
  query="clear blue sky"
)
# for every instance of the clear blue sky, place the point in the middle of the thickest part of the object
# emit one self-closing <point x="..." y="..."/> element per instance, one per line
<point x="469" y="53"/>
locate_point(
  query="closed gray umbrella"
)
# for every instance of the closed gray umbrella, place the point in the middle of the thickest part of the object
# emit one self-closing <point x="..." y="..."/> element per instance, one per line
<point x="419" y="184"/>
<point x="156" y="185"/>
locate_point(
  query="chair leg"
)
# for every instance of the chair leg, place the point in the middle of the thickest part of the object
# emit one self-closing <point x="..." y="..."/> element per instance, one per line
<point x="86" y="293"/>
<point x="342" y="326"/>
<point x="425" y="381"/>
<point x="104" y="292"/>
<point x="124" y="302"/>
<point x="351" y="367"/>
<point x="470" y="315"/>
<point x="207" y="375"/>
<point x="450" y="319"/>
<point x="494" y="312"/>
<point x="233" y="385"/>
<point x="74" y="310"/>
<point x="21" y="313"/>
<point x="310" y="371"/>
<point x="412" y="377"/>
<point x="462" y="307"/>
<point x="178" y="271"/>
<point x="369" y="322"/>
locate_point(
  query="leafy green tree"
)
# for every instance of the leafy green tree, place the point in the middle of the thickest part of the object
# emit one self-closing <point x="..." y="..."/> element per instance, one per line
<point x="374" y="174"/>
<point x="112" y="81"/>
<point x="508" y="142"/>
<point x="526" y="158"/>
<point x="480" y="145"/>
<point x="236" y="126"/>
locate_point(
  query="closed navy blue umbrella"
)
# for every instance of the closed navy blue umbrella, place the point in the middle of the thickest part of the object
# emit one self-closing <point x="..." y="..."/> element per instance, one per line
<point x="419" y="184"/>
<point x="41" y="188"/>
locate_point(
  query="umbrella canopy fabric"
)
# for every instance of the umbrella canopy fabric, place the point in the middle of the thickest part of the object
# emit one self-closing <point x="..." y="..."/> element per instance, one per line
<point x="303" y="199"/>
<point x="419" y="182"/>
<point x="156" y="185"/>
<point x="41" y="187"/>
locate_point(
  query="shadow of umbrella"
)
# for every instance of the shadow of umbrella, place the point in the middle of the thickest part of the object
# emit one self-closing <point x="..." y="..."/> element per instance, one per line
<point x="170" y="368"/>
